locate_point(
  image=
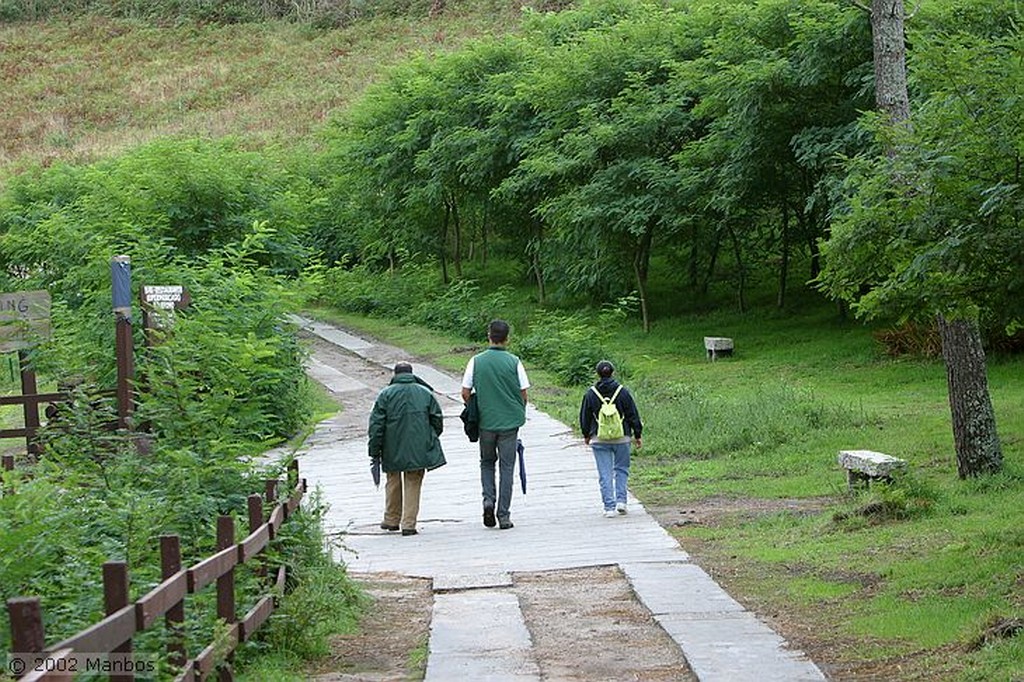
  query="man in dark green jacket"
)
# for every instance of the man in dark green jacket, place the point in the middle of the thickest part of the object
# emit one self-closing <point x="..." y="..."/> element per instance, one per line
<point x="404" y="427"/>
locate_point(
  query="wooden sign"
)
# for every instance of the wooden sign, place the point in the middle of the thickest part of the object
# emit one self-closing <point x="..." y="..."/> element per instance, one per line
<point x="159" y="304"/>
<point x="24" y="319"/>
<point x="165" y="297"/>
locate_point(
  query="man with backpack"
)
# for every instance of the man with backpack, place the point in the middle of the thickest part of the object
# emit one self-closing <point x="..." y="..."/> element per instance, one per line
<point x="608" y="421"/>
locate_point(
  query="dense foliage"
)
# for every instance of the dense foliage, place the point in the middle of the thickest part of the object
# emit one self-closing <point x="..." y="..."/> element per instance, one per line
<point x="222" y="380"/>
<point x="701" y="140"/>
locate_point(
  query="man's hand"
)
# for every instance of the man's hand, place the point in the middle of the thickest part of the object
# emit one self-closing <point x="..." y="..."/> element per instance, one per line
<point x="638" y="442"/>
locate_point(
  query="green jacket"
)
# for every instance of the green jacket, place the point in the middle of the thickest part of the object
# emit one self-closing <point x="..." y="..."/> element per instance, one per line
<point x="404" y="426"/>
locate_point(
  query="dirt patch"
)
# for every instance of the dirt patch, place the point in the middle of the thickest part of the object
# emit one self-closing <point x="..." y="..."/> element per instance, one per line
<point x="713" y="511"/>
<point x="391" y="643"/>
<point x="587" y="625"/>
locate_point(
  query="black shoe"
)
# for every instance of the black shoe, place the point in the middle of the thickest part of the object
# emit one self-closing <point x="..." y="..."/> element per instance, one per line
<point x="409" y="531"/>
<point x="385" y="526"/>
<point x="505" y="525"/>
<point x="489" y="517"/>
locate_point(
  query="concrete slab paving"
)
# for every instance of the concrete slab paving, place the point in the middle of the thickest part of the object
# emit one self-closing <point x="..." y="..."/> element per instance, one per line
<point x="332" y="379"/>
<point x="558" y="525"/>
<point x="479" y="635"/>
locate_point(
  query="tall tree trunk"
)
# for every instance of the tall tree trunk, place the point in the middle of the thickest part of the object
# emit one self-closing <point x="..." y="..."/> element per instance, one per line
<point x="641" y="268"/>
<point x="536" y="248"/>
<point x="715" y="246"/>
<point x="457" y="235"/>
<point x="812" y="246"/>
<point x="974" y="424"/>
<point x="442" y="243"/>
<point x="693" y="265"/>
<point x="890" y="57"/>
<point x="780" y="301"/>
<point x="741" y="284"/>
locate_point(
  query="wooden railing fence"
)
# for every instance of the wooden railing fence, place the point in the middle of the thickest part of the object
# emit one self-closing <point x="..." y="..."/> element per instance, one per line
<point x="124" y="619"/>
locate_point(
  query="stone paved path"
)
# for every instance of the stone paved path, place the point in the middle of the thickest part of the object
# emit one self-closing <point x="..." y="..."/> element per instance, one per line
<point x="477" y="629"/>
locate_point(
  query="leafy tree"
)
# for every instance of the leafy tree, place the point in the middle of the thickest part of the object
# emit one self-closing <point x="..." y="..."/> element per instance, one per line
<point x="932" y="227"/>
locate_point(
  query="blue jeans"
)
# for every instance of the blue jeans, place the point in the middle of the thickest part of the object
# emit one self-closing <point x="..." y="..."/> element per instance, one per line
<point x="500" y="447"/>
<point x="612" y="471"/>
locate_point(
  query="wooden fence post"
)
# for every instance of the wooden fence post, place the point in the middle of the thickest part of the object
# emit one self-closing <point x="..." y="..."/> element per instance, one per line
<point x="293" y="474"/>
<point x="27" y="634"/>
<point x="8" y="465"/>
<point x="31" y="408"/>
<point x="255" y="521"/>
<point x="255" y="503"/>
<point x="116" y="596"/>
<point x="226" y="589"/>
<point x="174" y="620"/>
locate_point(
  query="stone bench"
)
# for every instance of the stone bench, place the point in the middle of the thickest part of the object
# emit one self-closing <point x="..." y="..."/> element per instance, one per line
<point x="864" y="466"/>
<point x="717" y="345"/>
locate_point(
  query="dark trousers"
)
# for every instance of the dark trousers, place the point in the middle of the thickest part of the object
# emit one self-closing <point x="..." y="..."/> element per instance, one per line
<point x="498" y="447"/>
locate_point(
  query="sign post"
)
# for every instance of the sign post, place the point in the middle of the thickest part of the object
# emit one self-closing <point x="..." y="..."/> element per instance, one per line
<point x="121" y="278"/>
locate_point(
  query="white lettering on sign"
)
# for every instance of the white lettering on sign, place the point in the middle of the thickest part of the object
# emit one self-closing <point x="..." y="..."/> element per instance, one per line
<point x="166" y="297"/>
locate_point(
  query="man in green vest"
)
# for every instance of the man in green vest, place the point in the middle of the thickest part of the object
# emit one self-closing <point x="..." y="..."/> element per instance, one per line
<point x="499" y="381"/>
<point x="404" y="427"/>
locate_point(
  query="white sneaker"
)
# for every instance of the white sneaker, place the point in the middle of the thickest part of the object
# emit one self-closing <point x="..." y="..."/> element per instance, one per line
<point x="610" y="513"/>
<point x="620" y="507"/>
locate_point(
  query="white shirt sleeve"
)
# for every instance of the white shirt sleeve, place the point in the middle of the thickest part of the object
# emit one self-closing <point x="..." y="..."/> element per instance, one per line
<point x="524" y="382"/>
<point x="467" y="376"/>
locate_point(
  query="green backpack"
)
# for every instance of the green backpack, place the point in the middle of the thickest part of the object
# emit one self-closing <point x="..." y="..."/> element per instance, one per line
<point x="609" y="421"/>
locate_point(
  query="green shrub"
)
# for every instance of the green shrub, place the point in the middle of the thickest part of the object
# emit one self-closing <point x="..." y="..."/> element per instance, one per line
<point x="904" y="496"/>
<point x="382" y="294"/>
<point x="462" y="310"/>
<point x="571" y="344"/>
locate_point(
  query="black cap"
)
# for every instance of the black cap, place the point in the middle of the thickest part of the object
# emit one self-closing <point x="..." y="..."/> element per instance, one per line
<point x="403" y="368"/>
<point x="604" y="369"/>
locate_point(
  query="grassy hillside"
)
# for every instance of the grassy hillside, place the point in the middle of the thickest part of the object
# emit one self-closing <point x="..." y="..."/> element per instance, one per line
<point x="78" y="89"/>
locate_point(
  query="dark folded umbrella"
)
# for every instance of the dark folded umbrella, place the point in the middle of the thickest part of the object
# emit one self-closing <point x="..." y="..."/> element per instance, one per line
<point x="375" y="470"/>
<point x="522" y="465"/>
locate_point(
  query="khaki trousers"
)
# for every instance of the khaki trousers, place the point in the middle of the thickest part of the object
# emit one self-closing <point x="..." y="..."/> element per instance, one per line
<point x="402" y="498"/>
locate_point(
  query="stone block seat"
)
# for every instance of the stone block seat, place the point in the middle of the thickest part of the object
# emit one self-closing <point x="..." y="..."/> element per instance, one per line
<point x="864" y="466"/>
<point x="717" y="345"/>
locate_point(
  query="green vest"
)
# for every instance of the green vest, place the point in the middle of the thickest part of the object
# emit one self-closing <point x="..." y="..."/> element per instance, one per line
<point x="496" y="380"/>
